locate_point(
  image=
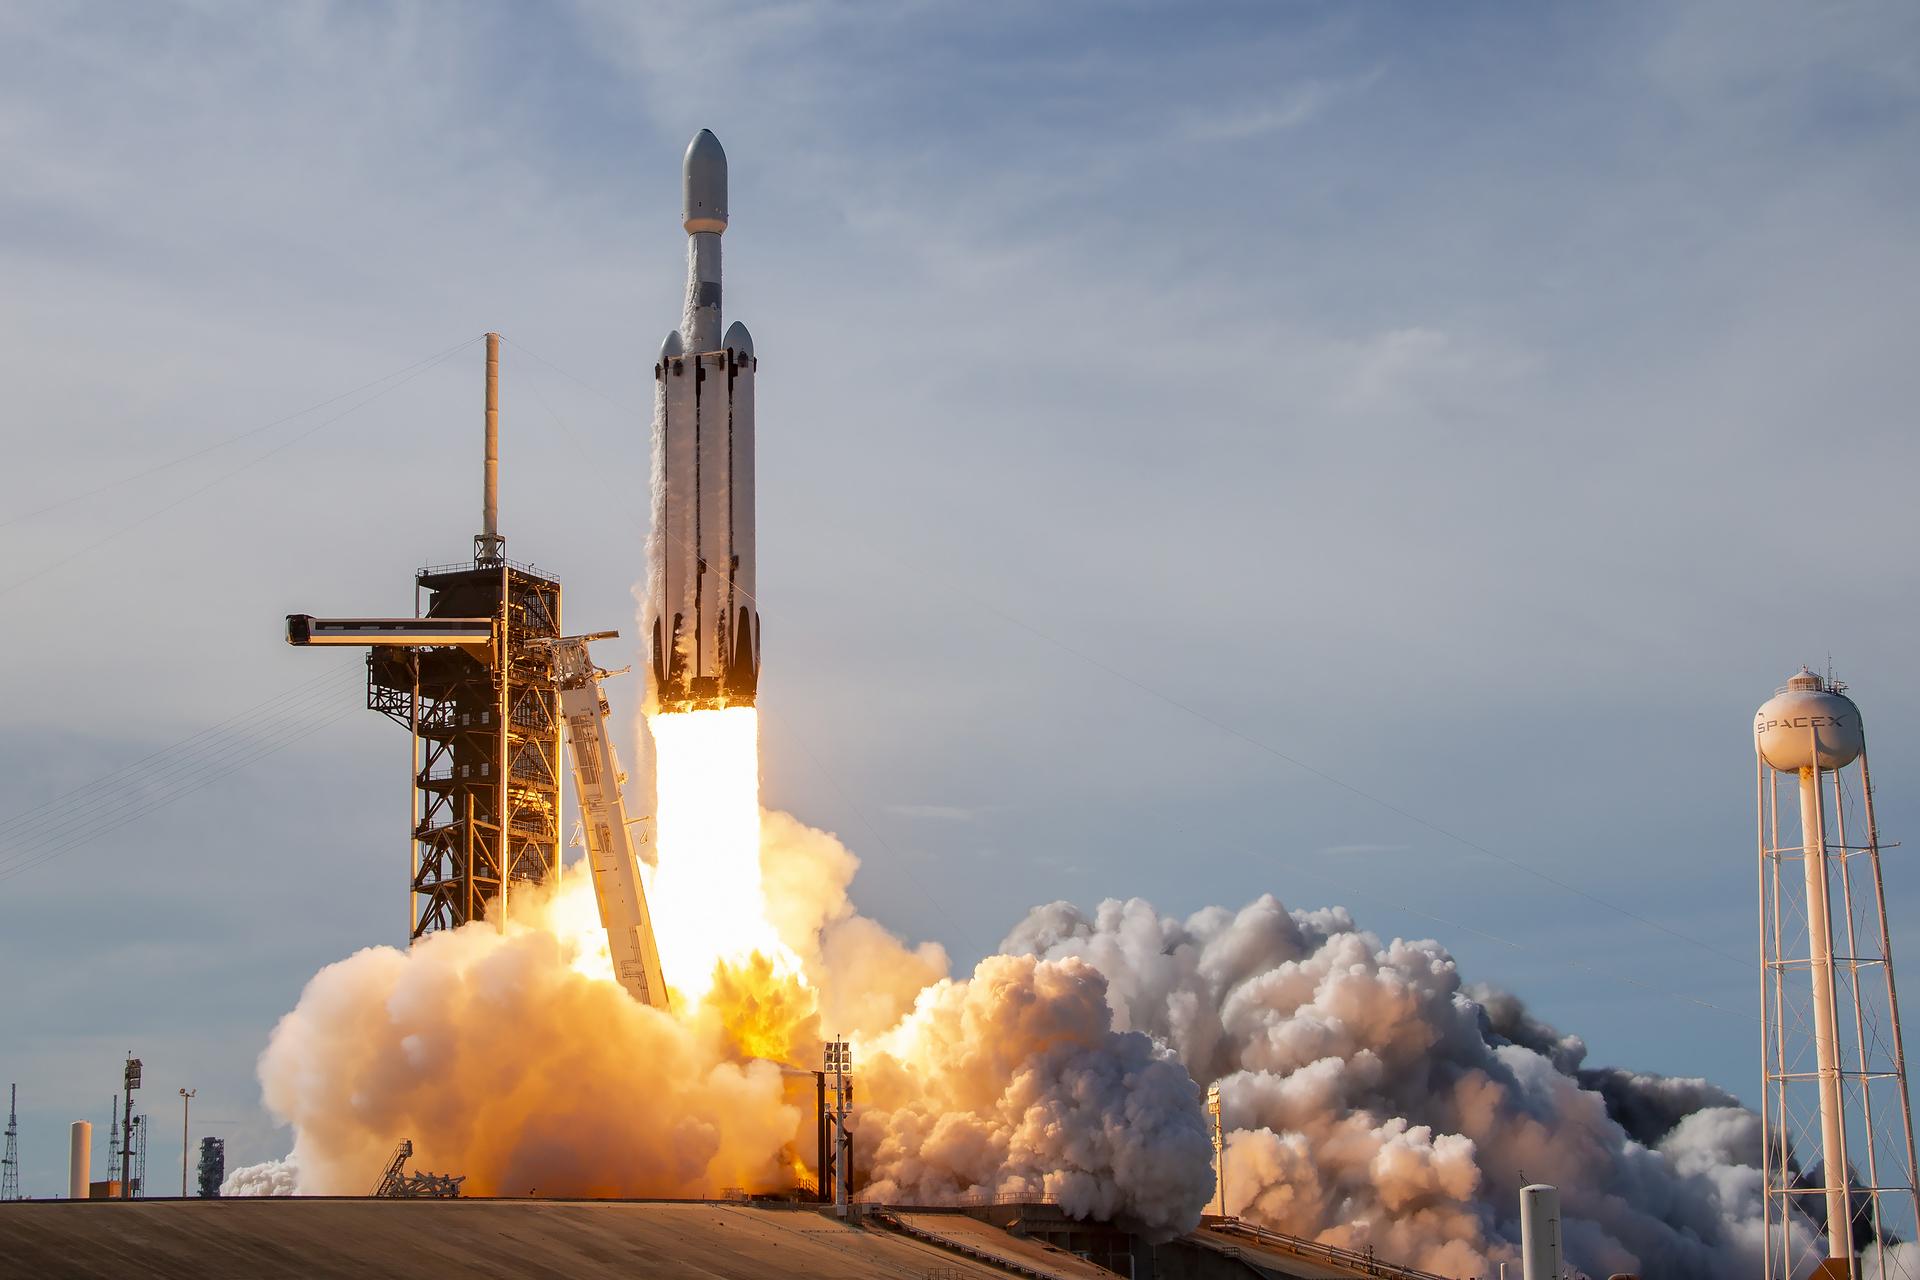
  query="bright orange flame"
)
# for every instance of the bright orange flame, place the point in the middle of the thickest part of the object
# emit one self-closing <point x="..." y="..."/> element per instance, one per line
<point x="706" y="898"/>
<point x="573" y="916"/>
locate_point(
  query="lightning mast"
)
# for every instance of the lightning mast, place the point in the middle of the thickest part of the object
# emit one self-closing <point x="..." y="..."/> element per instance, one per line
<point x="1834" y="1067"/>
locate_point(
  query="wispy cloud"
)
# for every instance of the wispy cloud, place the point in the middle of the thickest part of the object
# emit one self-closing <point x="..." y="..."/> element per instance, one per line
<point x="1256" y="118"/>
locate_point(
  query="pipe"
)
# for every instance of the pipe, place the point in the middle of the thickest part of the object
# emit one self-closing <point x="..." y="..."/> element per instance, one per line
<point x="1826" y="1032"/>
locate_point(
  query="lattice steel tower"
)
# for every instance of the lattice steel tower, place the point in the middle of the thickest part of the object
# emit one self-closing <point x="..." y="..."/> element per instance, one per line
<point x="1835" y="1069"/>
<point x="470" y="676"/>
<point x="10" y="1167"/>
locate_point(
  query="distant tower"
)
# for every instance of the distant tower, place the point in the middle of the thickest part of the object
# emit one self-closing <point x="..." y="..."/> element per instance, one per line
<point x="129" y="1135"/>
<point x="1835" y="1072"/>
<point x="213" y="1167"/>
<point x="10" y="1167"/>
<point x="138" y="1133"/>
<point x="113" y="1142"/>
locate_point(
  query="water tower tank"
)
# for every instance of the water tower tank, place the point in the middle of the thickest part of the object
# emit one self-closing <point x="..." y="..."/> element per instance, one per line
<point x="1806" y="724"/>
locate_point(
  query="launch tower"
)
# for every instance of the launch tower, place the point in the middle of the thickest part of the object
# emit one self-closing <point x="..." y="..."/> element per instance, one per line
<point x="470" y="676"/>
<point x="1836" y="1122"/>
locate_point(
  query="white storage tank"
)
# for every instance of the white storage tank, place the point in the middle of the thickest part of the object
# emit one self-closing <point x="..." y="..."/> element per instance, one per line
<point x="80" y="1160"/>
<point x="1808" y="724"/>
<point x="1540" y="1232"/>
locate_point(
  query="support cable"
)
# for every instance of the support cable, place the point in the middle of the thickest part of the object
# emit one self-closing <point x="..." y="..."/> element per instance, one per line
<point x="132" y="794"/>
<point x="260" y="751"/>
<point x="185" y="498"/>
<point x="84" y="494"/>
<point x="161" y="756"/>
<point x="85" y="814"/>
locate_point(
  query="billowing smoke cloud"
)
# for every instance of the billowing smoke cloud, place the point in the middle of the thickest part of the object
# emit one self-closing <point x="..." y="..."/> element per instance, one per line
<point x="502" y="1061"/>
<point x="1374" y="1100"/>
<point x="511" y="1058"/>
<point x="1032" y="1092"/>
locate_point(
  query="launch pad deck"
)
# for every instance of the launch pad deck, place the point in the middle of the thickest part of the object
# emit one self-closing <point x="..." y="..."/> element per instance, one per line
<point x="325" y="1238"/>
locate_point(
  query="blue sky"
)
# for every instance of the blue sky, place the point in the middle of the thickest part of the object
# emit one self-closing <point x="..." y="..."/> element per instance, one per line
<point x="1484" y="405"/>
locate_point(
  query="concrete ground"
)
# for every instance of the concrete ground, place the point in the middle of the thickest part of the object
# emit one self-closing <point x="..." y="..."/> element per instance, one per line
<point x="249" y="1239"/>
<point x="969" y="1235"/>
<point x="325" y="1239"/>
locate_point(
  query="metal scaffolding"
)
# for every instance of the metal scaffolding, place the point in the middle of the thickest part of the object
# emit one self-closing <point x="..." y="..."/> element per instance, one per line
<point x="486" y="741"/>
<point x="10" y="1166"/>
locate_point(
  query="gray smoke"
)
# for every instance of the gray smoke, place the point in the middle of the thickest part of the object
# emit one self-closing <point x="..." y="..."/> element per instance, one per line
<point x="1373" y="1099"/>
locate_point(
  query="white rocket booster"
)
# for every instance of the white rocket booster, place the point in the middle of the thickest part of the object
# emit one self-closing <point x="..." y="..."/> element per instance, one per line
<point x="702" y="619"/>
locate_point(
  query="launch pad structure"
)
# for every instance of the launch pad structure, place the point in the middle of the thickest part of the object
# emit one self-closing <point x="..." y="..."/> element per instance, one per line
<point x="486" y="734"/>
<point x="486" y="684"/>
<point x="486" y="737"/>
<point x="471" y="677"/>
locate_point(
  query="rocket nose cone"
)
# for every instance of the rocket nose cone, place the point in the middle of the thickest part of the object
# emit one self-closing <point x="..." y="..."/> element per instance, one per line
<point x="738" y="339"/>
<point x="704" y="182"/>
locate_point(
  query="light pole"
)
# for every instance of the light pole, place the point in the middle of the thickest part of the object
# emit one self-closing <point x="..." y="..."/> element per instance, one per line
<point x="186" y="1101"/>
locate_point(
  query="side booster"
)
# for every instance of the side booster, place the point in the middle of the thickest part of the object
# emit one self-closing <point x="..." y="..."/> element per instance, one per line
<point x="702" y="619"/>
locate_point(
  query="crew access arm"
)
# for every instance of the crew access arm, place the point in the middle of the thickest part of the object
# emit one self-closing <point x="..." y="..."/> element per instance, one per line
<point x="603" y="817"/>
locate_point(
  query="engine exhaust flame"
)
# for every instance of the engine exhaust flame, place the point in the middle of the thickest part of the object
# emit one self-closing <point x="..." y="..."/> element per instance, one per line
<point x="709" y="907"/>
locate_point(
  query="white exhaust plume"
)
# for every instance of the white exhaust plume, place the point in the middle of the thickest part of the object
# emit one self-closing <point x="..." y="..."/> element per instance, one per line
<point x="1373" y="1100"/>
<point x="269" y="1178"/>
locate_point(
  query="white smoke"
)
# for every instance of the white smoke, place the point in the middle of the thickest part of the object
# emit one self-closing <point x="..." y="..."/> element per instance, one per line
<point x="1373" y="1100"/>
<point x="269" y="1178"/>
<point x="1902" y="1263"/>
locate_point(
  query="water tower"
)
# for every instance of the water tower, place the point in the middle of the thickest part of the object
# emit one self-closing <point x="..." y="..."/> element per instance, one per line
<point x="1836" y="1122"/>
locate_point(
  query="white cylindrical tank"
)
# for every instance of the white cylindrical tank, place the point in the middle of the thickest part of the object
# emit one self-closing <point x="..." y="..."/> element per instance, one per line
<point x="80" y="1160"/>
<point x="1540" y="1232"/>
<point x="1808" y="724"/>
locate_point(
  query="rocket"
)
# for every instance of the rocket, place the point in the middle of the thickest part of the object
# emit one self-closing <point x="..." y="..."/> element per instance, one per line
<point x="701" y="617"/>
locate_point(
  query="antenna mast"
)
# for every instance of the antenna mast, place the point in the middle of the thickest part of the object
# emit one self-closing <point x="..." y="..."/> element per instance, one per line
<point x="10" y="1167"/>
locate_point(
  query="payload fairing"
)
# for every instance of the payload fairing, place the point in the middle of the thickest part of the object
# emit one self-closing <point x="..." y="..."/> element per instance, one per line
<point x="701" y="617"/>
